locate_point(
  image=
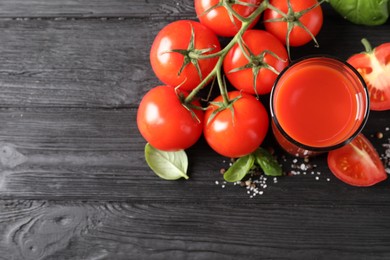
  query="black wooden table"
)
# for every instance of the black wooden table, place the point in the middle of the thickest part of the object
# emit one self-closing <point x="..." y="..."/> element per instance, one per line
<point x="73" y="180"/>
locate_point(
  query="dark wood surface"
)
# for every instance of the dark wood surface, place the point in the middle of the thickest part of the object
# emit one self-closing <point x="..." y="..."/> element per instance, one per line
<point x="73" y="180"/>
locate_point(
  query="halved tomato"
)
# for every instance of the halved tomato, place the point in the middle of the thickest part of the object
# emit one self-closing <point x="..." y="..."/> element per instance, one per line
<point x="374" y="66"/>
<point x="357" y="163"/>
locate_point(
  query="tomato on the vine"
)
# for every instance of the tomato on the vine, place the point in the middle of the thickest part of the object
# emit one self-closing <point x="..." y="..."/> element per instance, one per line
<point x="176" y="53"/>
<point x="357" y="163"/>
<point x="237" y="130"/>
<point x="165" y="122"/>
<point x="374" y="66"/>
<point x="254" y="64"/>
<point x="215" y="15"/>
<point x="298" y="24"/>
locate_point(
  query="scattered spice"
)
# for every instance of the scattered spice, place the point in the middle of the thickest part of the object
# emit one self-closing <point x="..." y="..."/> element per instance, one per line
<point x="300" y="166"/>
<point x="256" y="182"/>
<point x="385" y="151"/>
<point x="256" y="186"/>
<point x="385" y="157"/>
<point x="379" y="135"/>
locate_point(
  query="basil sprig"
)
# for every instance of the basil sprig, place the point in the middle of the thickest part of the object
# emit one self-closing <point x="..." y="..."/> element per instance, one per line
<point x="243" y="165"/>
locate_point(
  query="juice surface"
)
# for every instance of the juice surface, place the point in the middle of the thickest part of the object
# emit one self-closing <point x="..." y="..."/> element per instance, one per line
<point x="317" y="105"/>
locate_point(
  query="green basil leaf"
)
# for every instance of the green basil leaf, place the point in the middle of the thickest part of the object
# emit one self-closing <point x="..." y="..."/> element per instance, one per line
<point x="366" y="12"/>
<point x="267" y="163"/>
<point x="239" y="169"/>
<point x="167" y="165"/>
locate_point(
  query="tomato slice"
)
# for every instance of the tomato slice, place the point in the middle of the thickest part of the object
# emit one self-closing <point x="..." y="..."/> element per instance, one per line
<point x="357" y="163"/>
<point x="374" y="66"/>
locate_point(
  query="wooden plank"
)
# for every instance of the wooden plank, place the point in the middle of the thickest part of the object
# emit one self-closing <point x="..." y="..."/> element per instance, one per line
<point x="92" y="63"/>
<point x="98" y="154"/>
<point x="95" y="8"/>
<point x="105" y="63"/>
<point x="63" y="142"/>
<point x="76" y="230"/>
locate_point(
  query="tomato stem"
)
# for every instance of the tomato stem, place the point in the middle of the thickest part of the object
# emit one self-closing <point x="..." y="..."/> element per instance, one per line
<point x="246" y="22"/>
<point x="233" y="13"/>
<point x="367" y="45"/>
<point x="292" y="19"/>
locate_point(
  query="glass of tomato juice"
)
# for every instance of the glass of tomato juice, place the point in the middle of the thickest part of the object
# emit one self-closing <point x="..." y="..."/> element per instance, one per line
<point x="318" y="103"/>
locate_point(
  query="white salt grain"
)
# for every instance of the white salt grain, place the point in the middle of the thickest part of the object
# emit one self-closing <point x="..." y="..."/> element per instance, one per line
<point x="386" y="156"/>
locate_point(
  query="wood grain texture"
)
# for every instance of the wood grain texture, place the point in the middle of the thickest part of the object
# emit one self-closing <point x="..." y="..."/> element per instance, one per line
<point x="73" y="180"/>
<point x="98" y="154"/>
<point x="84" y="63"/>
<point x="105" y="63"/>
<point x="75" y="230"/>
<point x="95" y="8"/>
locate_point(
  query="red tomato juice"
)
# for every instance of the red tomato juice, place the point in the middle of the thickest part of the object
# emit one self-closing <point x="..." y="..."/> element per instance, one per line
<point x="319" y="103"/>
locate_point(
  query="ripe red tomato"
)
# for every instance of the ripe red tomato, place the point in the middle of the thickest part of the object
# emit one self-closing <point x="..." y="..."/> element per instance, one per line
<point x="357" y="163"/>
<point x="171" y="49"/>
<point x="165" y="123"/>
<point x="374" y="66"/>
<point x="217" y="18"/>
<point x="258" y="42"/>
<point x="312" y="20"/>
<point x="238" y="130"/>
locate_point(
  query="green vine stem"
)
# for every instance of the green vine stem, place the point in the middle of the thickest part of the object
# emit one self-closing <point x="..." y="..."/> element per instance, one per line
<point x="292" y="18"/>
<point x="246" y="22"/>
<point x="367" y="45"/>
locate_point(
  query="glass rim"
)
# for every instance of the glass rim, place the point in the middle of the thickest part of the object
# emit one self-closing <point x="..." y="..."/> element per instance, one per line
<point x="319" y="148"/>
